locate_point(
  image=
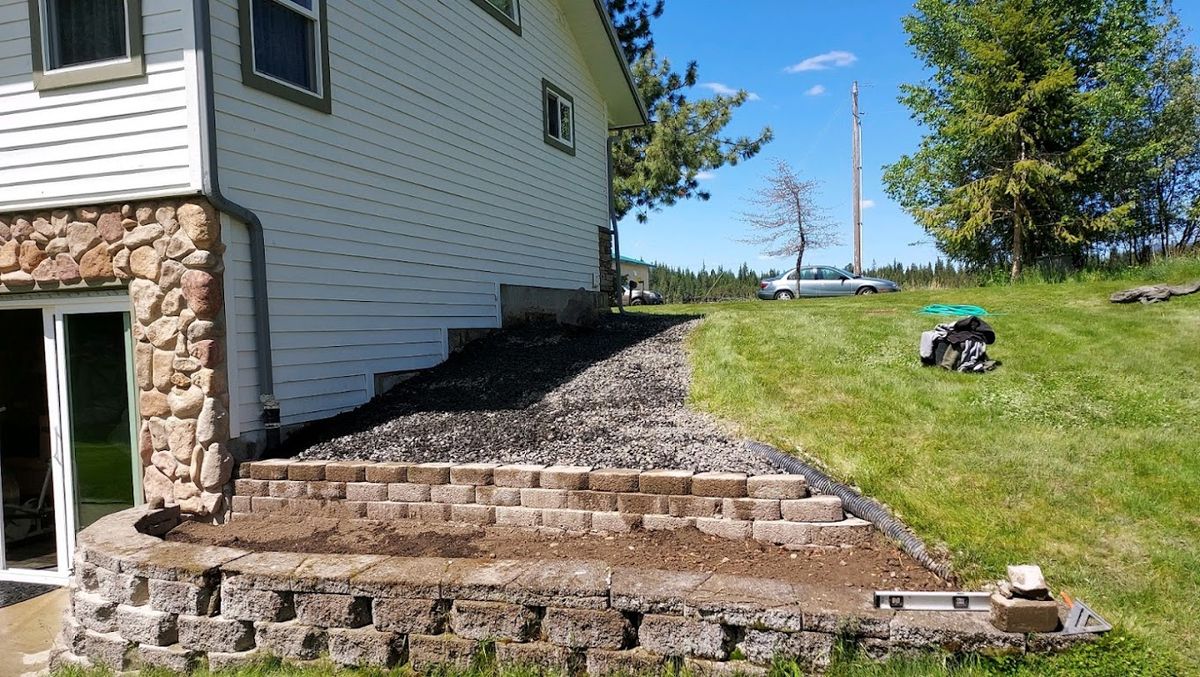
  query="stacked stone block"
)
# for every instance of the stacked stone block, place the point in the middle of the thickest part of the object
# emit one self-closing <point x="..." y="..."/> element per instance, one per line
<point x="774" y="509"/>
<point x="169" y="255"/>
<point x="138" y="601"/>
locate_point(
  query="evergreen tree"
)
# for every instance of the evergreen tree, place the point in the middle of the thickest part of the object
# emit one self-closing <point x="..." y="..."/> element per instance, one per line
<point x="657" y="165"/>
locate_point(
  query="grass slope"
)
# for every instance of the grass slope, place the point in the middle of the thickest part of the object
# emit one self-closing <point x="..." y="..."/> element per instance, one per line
<point x="1081" y="453"/>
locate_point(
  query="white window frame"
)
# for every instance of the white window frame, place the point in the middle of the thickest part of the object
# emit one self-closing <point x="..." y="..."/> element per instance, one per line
<point x="512" y="22"/>
<point x="45" y="76"/>
<point x="319" y="97"/>
<point x="559" y="141"/>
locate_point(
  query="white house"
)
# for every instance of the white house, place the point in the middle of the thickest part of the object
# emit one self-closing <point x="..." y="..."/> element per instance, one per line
<point x="220" y="218"/>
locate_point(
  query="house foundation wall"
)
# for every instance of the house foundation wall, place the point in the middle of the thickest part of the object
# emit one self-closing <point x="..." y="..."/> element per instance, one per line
<point x="168" y="255"/>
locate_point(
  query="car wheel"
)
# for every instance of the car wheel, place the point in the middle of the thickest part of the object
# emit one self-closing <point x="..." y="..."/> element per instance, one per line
<point x="636" y="302"/>
<point x="862" y="291"/>
<point x="784" y="295"/>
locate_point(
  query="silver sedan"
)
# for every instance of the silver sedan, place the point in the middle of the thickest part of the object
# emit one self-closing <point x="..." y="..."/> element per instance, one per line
<point x="822" y="281"/>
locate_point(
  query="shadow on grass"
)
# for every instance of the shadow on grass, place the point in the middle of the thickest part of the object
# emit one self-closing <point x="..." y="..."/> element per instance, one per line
<point x="508" y="370"/>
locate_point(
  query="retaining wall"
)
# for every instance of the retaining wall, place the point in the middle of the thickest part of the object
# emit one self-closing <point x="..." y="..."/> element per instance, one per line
<point x="771" y="508"/>
<point x="139" y="601"/>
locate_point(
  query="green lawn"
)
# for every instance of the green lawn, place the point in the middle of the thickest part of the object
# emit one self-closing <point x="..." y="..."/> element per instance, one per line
<point x="1081" y="453"/>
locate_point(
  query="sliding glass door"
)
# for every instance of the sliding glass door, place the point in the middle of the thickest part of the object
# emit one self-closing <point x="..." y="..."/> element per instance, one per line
<point x="68" y="425"/>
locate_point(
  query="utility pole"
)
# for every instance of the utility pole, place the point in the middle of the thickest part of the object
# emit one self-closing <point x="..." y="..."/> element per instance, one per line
<point x="856" y="161"/>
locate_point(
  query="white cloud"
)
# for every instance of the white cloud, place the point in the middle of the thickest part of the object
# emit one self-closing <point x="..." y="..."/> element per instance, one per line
<point x="722" y="89"/>
<point x="867" y="204"/>
<point x="835" y="59"/>
<point x="705" y="176"/>
<point x="815" y="90"/>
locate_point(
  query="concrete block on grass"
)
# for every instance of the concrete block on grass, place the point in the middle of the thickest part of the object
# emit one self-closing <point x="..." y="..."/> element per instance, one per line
<point x="678" y="636"/>
<point x="171" y="658"/>
<point x="291" y="640"/>
<point x="633" y="662"/>
<point x="365" y="648"/>
<point x="540" y="655"/>
<point x="241" y="602"/>
<point x="586" y="628"/>
<point x="108" y="649"/>
<point x="219" y="661"/>
<point x="811" y="650"/>
<point x="144" y="625"/>
<point x="493" y="620"/>
<point x="205" y="633"/>
<point x="426" y="652"/>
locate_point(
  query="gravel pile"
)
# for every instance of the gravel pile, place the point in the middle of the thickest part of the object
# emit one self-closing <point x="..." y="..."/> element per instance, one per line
<point x="612" y="397"/>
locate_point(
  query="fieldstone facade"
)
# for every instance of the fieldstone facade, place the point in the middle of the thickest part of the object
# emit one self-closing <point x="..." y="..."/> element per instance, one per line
<point x="608" y="273"/>
<point x="168" y="254"/>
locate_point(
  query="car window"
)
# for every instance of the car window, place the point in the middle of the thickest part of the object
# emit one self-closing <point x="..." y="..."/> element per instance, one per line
<point x="830" y="274"/>
<point x="808" y="274"/>
<point x="792" y="275"/>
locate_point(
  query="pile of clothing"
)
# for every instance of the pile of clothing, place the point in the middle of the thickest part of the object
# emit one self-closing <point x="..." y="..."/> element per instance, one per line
<point x="959" y="346"/>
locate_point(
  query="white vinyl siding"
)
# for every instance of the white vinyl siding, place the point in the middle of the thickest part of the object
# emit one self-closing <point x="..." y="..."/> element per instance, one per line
<point x="397" y="217"/>
<point x="125" y="139"/>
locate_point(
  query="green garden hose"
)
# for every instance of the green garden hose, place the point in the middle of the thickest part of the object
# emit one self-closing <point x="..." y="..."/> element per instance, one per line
<point x="943" y="309"/>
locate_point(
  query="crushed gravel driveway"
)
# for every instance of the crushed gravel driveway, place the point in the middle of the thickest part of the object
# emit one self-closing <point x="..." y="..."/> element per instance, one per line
<point x="615" y="396"/>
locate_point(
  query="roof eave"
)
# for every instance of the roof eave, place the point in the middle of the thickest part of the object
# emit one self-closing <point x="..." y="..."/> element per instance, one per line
<point x="607" y="62"/>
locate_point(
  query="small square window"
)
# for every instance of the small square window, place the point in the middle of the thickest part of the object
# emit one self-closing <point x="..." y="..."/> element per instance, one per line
<point x="285" y="50"/>
<point x="559" y="117"/>
<point x="507" y="12"/>
<point x="81" y="41"/>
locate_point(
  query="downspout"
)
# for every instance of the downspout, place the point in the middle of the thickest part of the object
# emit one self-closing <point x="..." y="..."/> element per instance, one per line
<point x="616" y="237"/>
<point x="258" y="258"/>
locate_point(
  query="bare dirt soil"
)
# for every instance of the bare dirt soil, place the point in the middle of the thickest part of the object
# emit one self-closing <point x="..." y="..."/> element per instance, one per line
<point x="615" y="396"/>
<point x="877" y="566"/>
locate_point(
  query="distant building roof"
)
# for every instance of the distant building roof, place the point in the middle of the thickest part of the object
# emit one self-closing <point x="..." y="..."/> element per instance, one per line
<point x="638" y="262"/>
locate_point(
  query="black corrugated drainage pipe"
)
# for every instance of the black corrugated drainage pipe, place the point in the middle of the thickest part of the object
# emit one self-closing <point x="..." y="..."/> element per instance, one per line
<point x="258" y="256"/>
<point x="860" y="506"/>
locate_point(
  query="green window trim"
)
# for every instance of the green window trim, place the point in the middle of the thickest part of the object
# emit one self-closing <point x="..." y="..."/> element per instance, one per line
<point x="513" y="23"/>
<point x="132" y="66"/>
<point x="547" y="89"/>
<point x="320" y="101"/>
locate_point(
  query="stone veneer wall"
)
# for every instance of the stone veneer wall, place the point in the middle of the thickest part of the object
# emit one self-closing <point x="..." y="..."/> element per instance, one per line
<point x="771" y="508"/>
<point x="169" y="255"/>
<point x="139" y="601"/>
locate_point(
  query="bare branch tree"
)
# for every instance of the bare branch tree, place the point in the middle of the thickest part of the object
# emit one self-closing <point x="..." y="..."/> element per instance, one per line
<point x="785" y="219"/>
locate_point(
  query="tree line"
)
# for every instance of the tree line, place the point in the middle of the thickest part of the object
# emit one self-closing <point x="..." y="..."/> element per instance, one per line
<point x="1058" y="130"/>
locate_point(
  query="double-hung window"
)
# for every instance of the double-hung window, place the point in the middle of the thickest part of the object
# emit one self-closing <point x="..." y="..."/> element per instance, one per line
<point x="285" y="50"/>
<point x="82" y="41"/>
<point x="558" y="117"/>
<point x="507" y="12"/>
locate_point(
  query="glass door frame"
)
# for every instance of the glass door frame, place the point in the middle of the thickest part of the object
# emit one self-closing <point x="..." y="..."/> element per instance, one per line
<point x="62" y="461"/>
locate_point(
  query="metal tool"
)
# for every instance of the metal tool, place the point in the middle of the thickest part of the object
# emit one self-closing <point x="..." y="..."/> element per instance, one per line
<point x="1081" y="619"/>
<point x="907" y="600"/>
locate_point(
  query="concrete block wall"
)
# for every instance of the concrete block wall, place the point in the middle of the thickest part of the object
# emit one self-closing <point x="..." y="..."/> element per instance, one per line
<point x="776" y="509"/>
<point x="139" y="601"/>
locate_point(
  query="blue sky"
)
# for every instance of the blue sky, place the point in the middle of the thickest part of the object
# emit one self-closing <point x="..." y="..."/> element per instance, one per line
<point x="757" y="46"/>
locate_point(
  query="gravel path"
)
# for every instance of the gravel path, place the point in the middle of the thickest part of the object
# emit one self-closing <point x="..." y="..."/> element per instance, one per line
<point x="612" y="397"/>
